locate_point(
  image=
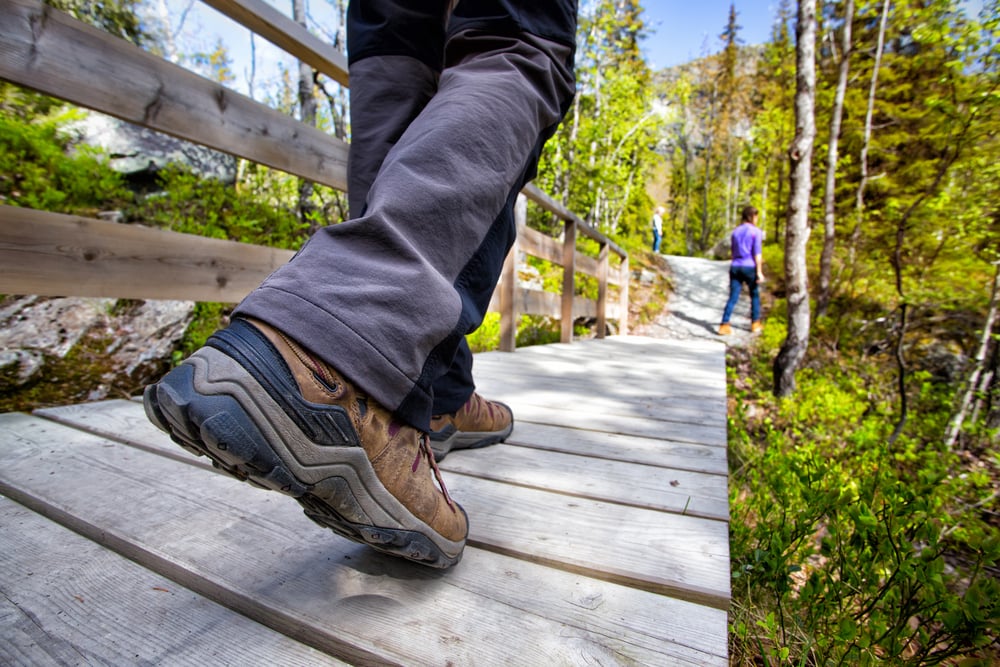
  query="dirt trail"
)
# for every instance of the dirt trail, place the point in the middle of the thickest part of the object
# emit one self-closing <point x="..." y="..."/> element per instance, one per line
<point x="694" y="309"/>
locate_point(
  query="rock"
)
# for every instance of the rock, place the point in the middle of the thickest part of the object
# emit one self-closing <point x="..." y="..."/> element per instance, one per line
<point x="149" y="334"/>
<point x="139" y="153"/>
<point x="36" y="331"/>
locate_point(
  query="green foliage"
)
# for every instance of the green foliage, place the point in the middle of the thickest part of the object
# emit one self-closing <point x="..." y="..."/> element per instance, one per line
<point x="846" y="550"/>
<point x="194" y="205"/>
<point x="118" y="17"/>
<point x="208" y="317"/>
<point x="41" y="168"/>
<point x="531" y="330"/>
<point x="598" y="162"/>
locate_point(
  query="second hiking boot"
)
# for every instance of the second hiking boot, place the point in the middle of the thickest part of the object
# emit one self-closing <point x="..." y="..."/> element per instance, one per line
<point x="267" y="412"/>
<point x="478" y="423"/>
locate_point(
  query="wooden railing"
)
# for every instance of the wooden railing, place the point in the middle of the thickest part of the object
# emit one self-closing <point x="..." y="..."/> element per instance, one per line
<point x="52" y="254"/>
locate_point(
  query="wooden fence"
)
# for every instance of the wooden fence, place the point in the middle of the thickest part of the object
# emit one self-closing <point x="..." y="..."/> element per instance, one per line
<point x="53" y="254"/>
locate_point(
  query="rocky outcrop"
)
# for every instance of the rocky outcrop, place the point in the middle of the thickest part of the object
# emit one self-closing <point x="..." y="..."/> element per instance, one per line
<point x="127" y="343"/>
<point x="139" y="153"/>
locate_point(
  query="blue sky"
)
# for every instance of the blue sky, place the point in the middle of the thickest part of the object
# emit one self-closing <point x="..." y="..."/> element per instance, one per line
<point x="679" y="31"/>
<point x="682" y="30"/>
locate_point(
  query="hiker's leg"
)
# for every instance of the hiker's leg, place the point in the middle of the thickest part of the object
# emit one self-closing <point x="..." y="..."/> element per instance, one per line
<point x="735" y="286"/>
<point x="754" y="296"/>
<point x="388" y="297"/>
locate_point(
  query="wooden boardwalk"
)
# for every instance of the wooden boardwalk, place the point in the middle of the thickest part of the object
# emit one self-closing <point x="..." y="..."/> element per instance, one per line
<point x="599" y="535"/>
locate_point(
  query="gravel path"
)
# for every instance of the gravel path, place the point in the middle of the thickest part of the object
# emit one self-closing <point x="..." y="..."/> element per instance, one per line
<point x="694" y="309"/>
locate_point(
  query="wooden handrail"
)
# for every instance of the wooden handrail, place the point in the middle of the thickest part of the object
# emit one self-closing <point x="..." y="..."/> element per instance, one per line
<point x="51" y="254"/>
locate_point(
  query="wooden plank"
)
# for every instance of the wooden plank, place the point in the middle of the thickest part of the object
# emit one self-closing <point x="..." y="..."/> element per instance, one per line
<point x="49" y="51"/>
<point x="647" y="451"/>
<point x="628" y="365"/>
<point x="569" y="269"/>
<point x="53" y="254"/>
<point x="623" y="273"/>
<point x="66" y="599"/>
<point x="678" y="491"/>
<point x="286" y="34"/>
<point x="679" y="556"/>
<point x="538" y="302"/>
<point x="126" y="422"/>
<point x="682" y="556"/>
<point x="255" y="552"/>
<point x="585" y="420"/>
<point x="548" y="392"/>
<point x="628" y="483"/>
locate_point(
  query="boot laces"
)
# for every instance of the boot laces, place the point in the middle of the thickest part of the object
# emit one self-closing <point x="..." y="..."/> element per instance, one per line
<point x="426" y="451"/>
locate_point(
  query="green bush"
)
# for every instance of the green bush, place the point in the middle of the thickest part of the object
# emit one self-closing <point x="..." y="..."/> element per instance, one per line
<point x="845" y="549"/>
<point x="194" y="205"/>
<point x="40" y="168"/>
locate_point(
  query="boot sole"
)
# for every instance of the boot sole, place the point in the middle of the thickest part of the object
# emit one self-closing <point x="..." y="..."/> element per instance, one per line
<point x="212" y="406"/>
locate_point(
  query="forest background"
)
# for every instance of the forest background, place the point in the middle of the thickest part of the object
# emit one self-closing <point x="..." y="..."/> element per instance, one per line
<point x="865" y="476"/>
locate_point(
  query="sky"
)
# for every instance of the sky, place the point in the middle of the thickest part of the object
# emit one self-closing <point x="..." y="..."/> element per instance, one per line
<point x="682" y="30"/>
<point x="679" y="31"/>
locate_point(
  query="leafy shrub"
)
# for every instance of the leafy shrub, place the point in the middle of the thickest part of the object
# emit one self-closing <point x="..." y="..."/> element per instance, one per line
<point x="846" y="550"/>
<point x="40" y="169"/>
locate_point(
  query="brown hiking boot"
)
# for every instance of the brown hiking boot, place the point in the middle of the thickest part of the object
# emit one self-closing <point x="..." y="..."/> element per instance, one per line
<point x="478" y="423"/>
<point x="725" y="329"/>
<point x="756" y="327"/>
<point x="269" y="413"/>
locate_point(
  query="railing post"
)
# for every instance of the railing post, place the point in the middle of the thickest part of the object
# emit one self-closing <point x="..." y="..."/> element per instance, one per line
<point x="623" y="277"/>
<point x="569" y="274"/>
<point x="602" y="291"/>
<point x="508" y="283"/>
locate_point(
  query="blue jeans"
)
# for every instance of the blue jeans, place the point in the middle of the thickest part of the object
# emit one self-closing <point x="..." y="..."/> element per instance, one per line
<point x="657" y="237"/>
<point x="739" y="276"/>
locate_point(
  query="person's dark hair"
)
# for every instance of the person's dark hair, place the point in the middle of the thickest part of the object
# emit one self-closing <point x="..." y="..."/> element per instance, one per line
<point x="748" y="213"/>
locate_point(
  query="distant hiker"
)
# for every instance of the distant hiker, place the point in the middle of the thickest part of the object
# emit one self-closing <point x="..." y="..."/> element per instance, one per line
<point x="746" y="268"/>
<point x="658" y="227"/>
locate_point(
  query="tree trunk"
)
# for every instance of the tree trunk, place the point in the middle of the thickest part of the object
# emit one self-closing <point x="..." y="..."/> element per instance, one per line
<point x="829" y="220"/>
<point x="974" y="385"/>
<point x="800" y="185"/>
<point x="307" y="114"/>
<point x="859" y="200"/>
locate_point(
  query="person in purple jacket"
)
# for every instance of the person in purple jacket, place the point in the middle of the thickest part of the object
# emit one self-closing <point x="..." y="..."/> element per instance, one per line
<point x="747" y="268"/>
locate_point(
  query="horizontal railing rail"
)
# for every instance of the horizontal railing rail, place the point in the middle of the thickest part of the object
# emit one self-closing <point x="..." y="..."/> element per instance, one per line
<point x="63" y="255"/>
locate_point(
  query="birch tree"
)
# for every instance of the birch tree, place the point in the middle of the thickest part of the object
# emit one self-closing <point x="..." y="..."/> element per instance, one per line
<point x="794" y="348"/>
<point x="829" y="208"/>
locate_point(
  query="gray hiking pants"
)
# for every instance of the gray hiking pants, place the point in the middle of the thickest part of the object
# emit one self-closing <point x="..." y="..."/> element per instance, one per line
<point x="460" y="109"/>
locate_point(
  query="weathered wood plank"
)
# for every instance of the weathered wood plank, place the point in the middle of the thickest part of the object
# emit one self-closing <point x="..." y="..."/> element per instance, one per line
<point x="49" y="51"/>
<point x="692" y="493"/>
<point x="128" y="423"/>
<point x="617" y="447"/>
<point x="678" y="491"/>
<point x="54" y="254"/>
<point x="549" y="392"/>
<point x="67" y="600"/>
<point x="621" y="369"/>
<point x="681" y="556"/>
<point x="256" y="553"/>
<point x="703" y="434"/>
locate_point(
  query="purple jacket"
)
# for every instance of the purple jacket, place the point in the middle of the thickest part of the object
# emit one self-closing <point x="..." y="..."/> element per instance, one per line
<point x="746" y="243"/>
